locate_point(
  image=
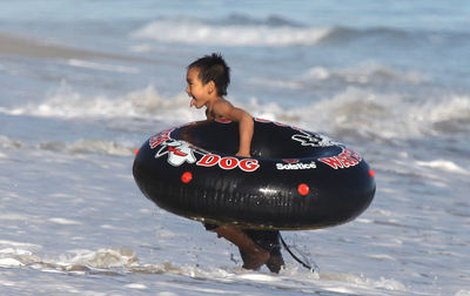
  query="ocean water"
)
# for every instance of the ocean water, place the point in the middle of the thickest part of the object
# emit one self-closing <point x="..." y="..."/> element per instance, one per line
<point x="86" y="82"/>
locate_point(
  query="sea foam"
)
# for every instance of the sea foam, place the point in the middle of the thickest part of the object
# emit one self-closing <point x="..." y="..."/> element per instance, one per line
<point x="199" y="32"/>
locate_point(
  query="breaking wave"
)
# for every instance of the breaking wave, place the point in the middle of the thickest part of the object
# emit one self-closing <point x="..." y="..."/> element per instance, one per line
<point x="366" y="74"/>
<point x="241" y="30"/>
<point x="112" y="262"/>
<point x="89" y="146"/>
<point x="147" y="103"/>
<point x="354" y="111"/>
<point x="364" y="113"/>
<point x="192" y="31"/>
<point x="77" y="147"/>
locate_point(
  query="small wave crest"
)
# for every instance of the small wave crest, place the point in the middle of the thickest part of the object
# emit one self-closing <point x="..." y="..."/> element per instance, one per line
<point x="73" y="261"/>
<point x="368" y="74"/>
<point x="100" y="259"/>
<point x="147" y="103"/>
<point x="444" y="166"/>
<point x="110" y="261"/>
<point x="79" y="146"/>
<point x="274" y="32"/>
<point x="352" y="112"/>
<point x="89" y="146"/>
<point x="365" y="74"/>
<point x="382" y="283"/>
<point x="6" y="142"/>
<point x="348" y="34"/>
<point x="366" y="114"/>
<point x="120" y="261"/>
<point x="17" y="254"/>
<point x="243" y="30"/>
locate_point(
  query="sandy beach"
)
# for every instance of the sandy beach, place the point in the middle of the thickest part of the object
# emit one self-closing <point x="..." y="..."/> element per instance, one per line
<point x="34" y="48"/>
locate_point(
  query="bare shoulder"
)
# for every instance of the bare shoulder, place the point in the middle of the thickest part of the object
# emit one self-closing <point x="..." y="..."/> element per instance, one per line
<point x="225" y="109"/>
<point x="222" y="108"/>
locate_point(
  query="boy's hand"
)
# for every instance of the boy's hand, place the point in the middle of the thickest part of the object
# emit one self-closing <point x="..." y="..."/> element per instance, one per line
<point x="241" y="154"/>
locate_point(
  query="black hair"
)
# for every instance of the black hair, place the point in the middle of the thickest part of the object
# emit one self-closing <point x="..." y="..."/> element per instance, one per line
<point x="213" y="67"/>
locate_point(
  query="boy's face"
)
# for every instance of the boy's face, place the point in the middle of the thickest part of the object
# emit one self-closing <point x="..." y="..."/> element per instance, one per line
<point x="197" y="90"/>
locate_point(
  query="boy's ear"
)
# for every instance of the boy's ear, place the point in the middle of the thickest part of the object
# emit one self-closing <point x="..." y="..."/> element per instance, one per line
<point x="211" y="85"/>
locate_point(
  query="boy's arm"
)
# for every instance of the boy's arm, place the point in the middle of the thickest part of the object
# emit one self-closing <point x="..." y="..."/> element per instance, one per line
<point x="246" y="126"/>
<point x="245" y="122"/>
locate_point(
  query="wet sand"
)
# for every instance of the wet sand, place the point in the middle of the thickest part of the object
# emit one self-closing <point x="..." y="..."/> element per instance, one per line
<point x="34" y="48"/>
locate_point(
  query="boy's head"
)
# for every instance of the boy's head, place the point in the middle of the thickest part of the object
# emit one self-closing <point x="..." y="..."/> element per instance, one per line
<point x="213" y="68"/>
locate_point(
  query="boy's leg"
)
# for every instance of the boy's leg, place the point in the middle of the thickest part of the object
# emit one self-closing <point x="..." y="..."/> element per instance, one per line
<point x="269" y="240"/>
<point x="252" y="254"/>
<point x="275" y="261"/>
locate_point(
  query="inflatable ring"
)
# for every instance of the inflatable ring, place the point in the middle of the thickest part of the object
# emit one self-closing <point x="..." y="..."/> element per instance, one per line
<point x="295" y="179"/>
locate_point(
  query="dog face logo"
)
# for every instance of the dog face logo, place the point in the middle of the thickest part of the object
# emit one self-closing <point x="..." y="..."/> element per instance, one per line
<point x="178" y="152"/>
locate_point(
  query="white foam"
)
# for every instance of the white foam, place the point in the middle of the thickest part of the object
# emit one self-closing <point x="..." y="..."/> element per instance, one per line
<point x="258" y="277"/>
<point x="17" y="254"/>
<point x="450" y="108"/>
<point x="385" y="116"/>
<point x="358" y="110"/>
<point x="125" y="261"/>
<point x="66" y="102"/>
<point x="63" y="221"/>
<point x="18" y="244"/>
<point x="383" y="283"/>
<point x="136" y="286"/>
<point x="389" y="284"/>
<point x="6" y="142"/>
<point x="10" y="262"/>
<point x="381" y="256"/>
<point x="7" y="283"/>
<point x="86" y="146"/>
<point x="363" y="74"/>
<point x="14" y="251"/>
<point x="342" y="290"/>
<point x="166" y="293"/>
<point x="197" y="32"/>
<point x="102" y="67"/>
<point x="101" y="259"/>
<point x="444" y="165"/>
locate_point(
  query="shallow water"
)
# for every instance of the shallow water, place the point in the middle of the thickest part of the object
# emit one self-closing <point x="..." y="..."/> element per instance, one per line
<point x="85" y="84"/>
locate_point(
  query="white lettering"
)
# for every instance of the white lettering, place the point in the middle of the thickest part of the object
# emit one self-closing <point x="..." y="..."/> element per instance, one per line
<point x="296" y="166"/>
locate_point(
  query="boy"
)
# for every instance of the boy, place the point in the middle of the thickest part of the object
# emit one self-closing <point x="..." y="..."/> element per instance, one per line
<point x="207" y="81"/>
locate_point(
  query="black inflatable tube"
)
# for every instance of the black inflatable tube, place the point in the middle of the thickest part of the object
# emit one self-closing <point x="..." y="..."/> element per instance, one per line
<point x="295" y="179"/>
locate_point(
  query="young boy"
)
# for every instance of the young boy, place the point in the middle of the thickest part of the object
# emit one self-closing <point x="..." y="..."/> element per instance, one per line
<point x="207" y="81"/>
